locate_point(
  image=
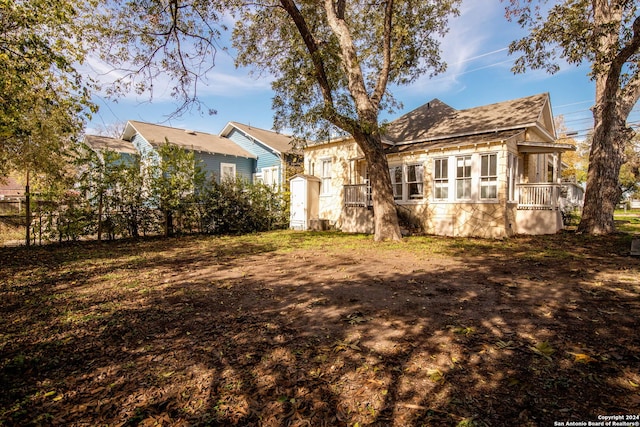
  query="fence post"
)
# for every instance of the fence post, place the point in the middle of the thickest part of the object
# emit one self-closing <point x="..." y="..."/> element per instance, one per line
<point x="27" y="197"/>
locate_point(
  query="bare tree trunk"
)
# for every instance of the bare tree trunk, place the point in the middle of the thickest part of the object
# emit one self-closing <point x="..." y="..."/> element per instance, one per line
<point x="603" y="190"/>
<point x="610" y="134"/>
<point x="385" y="215"/>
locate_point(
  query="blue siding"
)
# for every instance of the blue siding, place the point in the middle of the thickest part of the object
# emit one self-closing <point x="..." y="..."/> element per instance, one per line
<point x="266" y="157"/>
<point x="211" y="164"/>
<point x="141" y="144"/>
<point x="125" y="159"/>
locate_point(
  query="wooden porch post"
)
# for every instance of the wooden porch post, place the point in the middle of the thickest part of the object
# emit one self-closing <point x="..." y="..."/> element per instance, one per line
<point x="557" y="178"/>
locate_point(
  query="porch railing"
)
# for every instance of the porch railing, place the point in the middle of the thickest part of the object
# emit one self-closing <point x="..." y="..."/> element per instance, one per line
<point x="357" y="195"/>
<point x="530" y="196"/>
<point x="538" y="196"/>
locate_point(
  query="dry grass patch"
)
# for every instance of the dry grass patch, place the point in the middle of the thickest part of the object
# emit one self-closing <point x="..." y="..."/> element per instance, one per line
<point x="317" y="329"/>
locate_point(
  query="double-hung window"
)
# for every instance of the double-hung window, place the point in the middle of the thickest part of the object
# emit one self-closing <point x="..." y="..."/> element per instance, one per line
<point x="407" y="182"/>
<point x="227" y="171"/>
<point x="489" y="176"/>
<point x="396" y="181"/>
<point x="463" y="177"/>
<point x="441" y="179"/>
<point x="415" y="181"/>
<point x="270" y="176"/>
<point x="326" y="177"/>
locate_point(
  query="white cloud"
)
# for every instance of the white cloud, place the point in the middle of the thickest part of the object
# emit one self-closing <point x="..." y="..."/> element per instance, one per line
<point x="223" y="80"/>
<point x="477" y="39"/>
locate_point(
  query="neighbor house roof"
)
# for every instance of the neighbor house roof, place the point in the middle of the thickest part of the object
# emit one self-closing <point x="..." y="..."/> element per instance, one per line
<point x="187" y="139"/>
<point x="277" y="141"/>
<point x="98" y="142"/>
<point x="437" y="121"/>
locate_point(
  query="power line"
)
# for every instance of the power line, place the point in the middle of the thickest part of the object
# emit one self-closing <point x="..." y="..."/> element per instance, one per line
<point x="482" y="55"/>
<point x="573" y="103"/>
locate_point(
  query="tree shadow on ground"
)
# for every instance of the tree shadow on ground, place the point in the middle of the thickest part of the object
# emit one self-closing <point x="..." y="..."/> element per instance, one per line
<point x="477" y="333"/>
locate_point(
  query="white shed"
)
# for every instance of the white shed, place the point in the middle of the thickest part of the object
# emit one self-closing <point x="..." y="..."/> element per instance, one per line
<point x="305" y="192"/>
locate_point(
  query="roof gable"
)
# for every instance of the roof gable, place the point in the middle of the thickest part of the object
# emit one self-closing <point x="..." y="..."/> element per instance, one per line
<point x="274" y="140"/>
<point x="189" y="140"/>
<point x="436" y="122"/>
<point x="416" y="123"/>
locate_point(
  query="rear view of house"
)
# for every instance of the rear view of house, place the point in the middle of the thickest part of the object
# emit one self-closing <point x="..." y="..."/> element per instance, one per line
<point x="491" y="171"/>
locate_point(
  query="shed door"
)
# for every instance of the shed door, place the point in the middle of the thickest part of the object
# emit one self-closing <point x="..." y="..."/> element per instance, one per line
<point x="298" y="204"/>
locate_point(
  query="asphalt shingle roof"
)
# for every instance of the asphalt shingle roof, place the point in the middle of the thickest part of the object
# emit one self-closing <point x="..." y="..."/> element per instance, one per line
<point x="98" y="142"/>
<point x="436" y="120"/>
<point x="278" y="141"/>
<point x="190" y="140"/>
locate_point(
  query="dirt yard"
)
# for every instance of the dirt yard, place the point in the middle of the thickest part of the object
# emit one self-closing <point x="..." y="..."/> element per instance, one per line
<point x="295" y="329"/>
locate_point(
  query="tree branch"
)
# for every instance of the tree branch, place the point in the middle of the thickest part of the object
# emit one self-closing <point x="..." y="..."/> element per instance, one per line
<point x="340" y="8"/>
<point x="632" y="47"/>
<point x="629" y="95"/>
<point x="312" y="47"/>
<point x="351" y="64"/>
<point x="383" y="78"/>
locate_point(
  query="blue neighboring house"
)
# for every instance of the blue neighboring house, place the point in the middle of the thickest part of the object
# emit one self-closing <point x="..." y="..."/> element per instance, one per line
<point x="220" y="157"/>
<point x="276" y="155"/>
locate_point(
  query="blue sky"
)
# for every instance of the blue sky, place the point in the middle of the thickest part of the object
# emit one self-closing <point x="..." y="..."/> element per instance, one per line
<point x="479" y="73"/>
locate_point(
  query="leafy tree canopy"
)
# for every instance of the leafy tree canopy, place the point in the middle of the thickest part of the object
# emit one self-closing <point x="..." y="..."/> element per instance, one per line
<point x="43" y="94"/>
<point x="316" y="78"/>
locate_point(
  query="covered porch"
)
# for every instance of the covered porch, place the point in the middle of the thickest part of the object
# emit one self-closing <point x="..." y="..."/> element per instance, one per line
<point x="539" y="190"/>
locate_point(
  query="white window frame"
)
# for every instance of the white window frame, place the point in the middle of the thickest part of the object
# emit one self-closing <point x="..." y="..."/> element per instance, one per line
<point x="440" y="179"/>
<point x="488" y="176"/>
<point x="271" y="176"/>
<point x="417" y="182"/>
<point x="401" y="185"/>
<point x="325" y="176"/>
<point x="224" y="176"/>
<point x="395" y="172"/>
<point x="465" y="179"/>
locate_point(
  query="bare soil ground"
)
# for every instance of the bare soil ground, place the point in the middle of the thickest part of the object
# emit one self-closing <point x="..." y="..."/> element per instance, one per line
<point x="296" y="329"/>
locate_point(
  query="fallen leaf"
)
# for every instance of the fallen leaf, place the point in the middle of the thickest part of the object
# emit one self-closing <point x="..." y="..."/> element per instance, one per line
<point x="543" y="349"/>
<point x="435" y="375"/>
<point x="344" y="345"/>
<point x="582" y="358"/>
